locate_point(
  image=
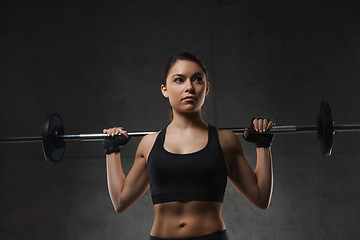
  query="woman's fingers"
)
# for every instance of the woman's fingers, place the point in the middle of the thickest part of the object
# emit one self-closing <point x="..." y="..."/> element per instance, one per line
<point x="270" y="124"/>
<point x="256" y="124"/>
<point x="262" y="125"/>
<point x="124" y="132"/>
<point x="115" y="131"/>
<point x="246" y="133"/>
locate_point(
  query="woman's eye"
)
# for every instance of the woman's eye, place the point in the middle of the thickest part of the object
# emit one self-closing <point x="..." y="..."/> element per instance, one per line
<point x="177" y="80"/>
<point x="198" y="79"/>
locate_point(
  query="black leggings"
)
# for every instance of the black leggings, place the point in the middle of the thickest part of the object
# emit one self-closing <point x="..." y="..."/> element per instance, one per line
<point x="220" y="235"/>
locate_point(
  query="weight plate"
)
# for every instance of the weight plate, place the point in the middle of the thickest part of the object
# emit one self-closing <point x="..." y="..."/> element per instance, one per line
<point x="53" y="145"/>
<point x="325" y="128"/>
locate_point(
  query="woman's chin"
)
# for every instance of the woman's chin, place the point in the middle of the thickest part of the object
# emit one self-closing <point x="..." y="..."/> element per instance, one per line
<point x="189" y="111"/>
<point x="188" y="108"/>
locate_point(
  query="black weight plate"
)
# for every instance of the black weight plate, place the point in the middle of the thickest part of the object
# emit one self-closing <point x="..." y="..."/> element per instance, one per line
<point x="325" y="128"/>
<point x="53" y="145"/>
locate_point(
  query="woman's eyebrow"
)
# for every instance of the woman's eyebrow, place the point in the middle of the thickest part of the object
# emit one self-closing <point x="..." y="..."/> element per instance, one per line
<point x="197" y="74"/>
<point x="181" y="75"/>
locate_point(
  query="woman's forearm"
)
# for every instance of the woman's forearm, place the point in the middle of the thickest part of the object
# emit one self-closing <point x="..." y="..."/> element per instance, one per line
<point x="264" y="175"/>
<point x="115" y="178"/>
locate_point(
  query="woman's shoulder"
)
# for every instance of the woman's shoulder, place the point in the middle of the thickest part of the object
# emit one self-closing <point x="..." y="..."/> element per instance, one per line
<point x="147" y="143"/>
<point x="227" y="138"/>
<point x="149" y="139"/>
<point x="224" y="133"/>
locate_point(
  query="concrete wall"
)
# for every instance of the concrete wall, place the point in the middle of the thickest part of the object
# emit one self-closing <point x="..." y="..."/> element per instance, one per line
<point x="99" y="64"/>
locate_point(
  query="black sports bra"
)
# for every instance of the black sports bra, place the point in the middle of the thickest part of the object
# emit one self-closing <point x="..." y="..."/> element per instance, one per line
<point x="198" y="176"/>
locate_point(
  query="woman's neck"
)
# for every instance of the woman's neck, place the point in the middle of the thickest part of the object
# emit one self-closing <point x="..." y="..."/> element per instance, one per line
<point x="185" y="120"/>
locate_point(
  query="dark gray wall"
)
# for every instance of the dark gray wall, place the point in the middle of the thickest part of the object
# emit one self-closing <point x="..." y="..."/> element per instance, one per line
<point x="100" y="64"/>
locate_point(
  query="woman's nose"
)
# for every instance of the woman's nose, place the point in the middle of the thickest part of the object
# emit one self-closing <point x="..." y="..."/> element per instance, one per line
<point x="189" y="85"/>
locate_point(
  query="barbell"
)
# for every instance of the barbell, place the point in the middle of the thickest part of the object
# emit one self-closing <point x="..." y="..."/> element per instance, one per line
<point x="53" y="135"/>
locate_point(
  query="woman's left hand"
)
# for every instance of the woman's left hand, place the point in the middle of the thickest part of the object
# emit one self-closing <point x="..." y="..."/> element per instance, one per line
<point x="261" y="126"/>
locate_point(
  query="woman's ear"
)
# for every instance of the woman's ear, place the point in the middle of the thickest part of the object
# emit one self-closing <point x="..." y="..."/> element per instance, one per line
<point x="164" y="90"/>
<point x="207" y="88"/>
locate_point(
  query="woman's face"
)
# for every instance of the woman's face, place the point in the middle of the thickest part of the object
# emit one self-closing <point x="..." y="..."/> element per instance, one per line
<point x="186" y="86"/>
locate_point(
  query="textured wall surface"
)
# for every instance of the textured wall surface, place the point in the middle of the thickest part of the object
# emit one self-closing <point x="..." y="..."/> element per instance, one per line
<point x="99" y="64"/>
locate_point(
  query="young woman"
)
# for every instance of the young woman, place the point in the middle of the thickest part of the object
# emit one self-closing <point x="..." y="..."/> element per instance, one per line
<point x="187" y="164"/>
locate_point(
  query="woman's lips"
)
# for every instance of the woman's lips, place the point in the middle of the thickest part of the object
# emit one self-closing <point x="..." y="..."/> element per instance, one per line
<point x="188" y="99"/>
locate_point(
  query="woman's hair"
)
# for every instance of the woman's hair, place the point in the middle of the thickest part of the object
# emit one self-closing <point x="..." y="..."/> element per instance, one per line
<point x="183" y="56"/>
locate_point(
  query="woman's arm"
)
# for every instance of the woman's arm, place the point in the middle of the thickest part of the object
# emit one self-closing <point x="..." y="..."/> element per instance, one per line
<point x="264" y="175"/>
<point x="256" y="186"/>
<point x="125" y="191"/>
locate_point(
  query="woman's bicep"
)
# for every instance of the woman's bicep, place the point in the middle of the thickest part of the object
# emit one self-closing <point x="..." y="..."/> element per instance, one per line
<point x="240" y="174"/>
<point x="136" y="184"/>
<point x="242" y="177"/>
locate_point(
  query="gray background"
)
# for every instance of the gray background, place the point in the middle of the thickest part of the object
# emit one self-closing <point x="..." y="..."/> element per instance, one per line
<point x="99" y="64"/>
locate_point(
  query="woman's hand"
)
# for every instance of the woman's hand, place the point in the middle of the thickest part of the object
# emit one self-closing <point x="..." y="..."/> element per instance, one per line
<point x="116" y="131"/>
<point x="261" y="126"/>
<point x="117" y="137"/>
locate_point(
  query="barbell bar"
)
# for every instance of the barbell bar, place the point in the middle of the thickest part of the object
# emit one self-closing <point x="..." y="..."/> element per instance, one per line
<point x="53" y="133"/>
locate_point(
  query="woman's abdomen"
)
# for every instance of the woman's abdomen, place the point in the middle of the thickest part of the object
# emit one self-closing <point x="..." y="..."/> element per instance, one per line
<point x="187" y="219"/>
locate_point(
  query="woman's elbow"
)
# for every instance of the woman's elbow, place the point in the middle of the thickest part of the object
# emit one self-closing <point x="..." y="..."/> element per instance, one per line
<point x="121" y="207"/>
<point x="118" y="209"/>
<point x="263" y="205"/>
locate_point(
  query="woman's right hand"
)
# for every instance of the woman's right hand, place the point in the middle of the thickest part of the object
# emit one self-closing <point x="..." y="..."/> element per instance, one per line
<point x="115" y="131"/>
<point x="117" y="137"/>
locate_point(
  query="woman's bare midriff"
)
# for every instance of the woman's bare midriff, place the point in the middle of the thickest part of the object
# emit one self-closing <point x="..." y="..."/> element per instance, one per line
<point x="187" y="219"/>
